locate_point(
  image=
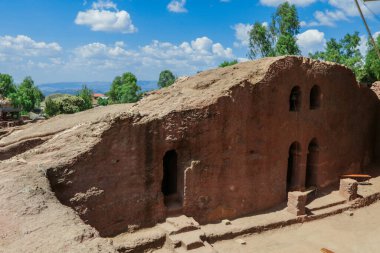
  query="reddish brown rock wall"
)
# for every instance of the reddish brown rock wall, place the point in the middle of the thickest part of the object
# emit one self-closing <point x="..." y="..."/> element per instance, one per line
<point x="232" y="155"/>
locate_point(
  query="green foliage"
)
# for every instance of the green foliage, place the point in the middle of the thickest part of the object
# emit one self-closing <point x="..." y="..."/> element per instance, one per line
<point x="102" y="101"/>
<point x="287" y="45"/>
<point x="285" y="20"/>
<point x="27" y="95"/>
<point x="65" y="104"/>
<point x="7" y="85"/>
<point x="279" y="38"/>
<point x="344" y="52"/>
<point x="124" y="89"/>
<point x="227" y="63"/>
<point x="261" y="41"/>
<point x="372" y="64"/>
<point x="86" y="94"/>
<point x="166" y="79"/>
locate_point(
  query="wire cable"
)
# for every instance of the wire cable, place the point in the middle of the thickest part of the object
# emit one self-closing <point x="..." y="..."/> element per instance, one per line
<point x="376" y="17"/>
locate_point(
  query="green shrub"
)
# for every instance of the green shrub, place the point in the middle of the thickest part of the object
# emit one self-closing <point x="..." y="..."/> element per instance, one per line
<point x="65" y="104"/>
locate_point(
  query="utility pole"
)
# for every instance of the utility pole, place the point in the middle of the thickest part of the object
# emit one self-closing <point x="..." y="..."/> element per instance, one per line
<point x="366" y="26"/>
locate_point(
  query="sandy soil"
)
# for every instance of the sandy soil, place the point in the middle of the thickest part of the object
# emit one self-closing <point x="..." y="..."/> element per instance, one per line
<point x="359" y="233"/>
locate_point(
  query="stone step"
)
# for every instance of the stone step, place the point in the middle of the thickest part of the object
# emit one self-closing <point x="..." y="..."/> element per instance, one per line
<point x="321" y="213"/>
<point x="180" y="224"/>
<point x="330" y="200"/>
<point x="188" y="240"/>
<point x="198" y="250"/>
<point x="140" y="240"/>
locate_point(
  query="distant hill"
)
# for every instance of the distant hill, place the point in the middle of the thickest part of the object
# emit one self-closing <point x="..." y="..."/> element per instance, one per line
<point x="97" y="87"/>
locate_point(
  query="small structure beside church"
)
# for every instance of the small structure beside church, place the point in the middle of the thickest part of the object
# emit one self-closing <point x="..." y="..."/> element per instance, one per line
<point x="7" y="111"/>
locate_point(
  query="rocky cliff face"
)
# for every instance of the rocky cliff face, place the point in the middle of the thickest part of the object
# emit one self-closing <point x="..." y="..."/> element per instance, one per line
<point x="230" y="133"/>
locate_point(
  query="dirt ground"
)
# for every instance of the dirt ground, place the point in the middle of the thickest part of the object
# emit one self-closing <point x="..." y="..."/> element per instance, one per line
<point x="342" y="233"/>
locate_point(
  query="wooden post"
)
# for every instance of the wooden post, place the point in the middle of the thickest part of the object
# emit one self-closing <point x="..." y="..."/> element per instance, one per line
<point x="368" y="30"/>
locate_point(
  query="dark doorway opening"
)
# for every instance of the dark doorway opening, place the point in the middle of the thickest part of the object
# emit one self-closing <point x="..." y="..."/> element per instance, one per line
<point x="169" y="185"/>
<point x="312" y="163"/>
<point x="295" y="99"/>
<point x="315" y="97"/>
<point x="293" y="166"/>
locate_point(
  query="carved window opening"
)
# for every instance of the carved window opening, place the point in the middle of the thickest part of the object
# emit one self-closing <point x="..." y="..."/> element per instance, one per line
<point x="294" y="160"/>
<point x="315" y="97"/>
<point x="295" y="99"/>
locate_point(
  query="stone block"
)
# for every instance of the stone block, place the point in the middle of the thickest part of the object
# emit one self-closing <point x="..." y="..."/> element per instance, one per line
<point x="297" y="196"/>
<point x="296" y="211"/>
<point x="297" y="203"/>
<point x="348" y="188"/>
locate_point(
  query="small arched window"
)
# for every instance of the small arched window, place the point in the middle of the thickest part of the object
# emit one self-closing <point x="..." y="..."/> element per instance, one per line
<point x="315" y="97"/>
<point x="295" y="99"/>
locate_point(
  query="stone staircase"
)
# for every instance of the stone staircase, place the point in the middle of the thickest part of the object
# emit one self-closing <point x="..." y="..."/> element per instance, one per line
<point x="326" y="203"/>
<point x="183" y="234"/>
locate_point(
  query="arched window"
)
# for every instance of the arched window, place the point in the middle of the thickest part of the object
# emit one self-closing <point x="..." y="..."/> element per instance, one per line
<point x="315" y="97"/>
<point x="312" y="163"/>
<point x="295" y="99"/>
<point x="294" y="160"/>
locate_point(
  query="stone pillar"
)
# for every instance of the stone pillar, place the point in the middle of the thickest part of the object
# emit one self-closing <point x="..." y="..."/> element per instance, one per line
<point x="348" y="188"/>
<point x="297" y="203"/>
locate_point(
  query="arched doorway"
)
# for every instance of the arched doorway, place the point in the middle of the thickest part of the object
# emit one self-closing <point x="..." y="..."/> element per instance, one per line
<point x="294" y="160"/>
<point x="169" y="186"/>
<point x="312" y="163"/>
<point x="295" y="99"/>
<point x="315" y="97"/>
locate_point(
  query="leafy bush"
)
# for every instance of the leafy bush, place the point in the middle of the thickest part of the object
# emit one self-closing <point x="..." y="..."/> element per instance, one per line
<point x="65" y="104"/>
<point x="228" y="63"/>
<point x="86" y="94"/>
<point x="102" y="101"/>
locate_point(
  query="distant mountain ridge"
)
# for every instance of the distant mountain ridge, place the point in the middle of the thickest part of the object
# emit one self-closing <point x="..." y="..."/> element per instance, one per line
<point x="97" y="87"/>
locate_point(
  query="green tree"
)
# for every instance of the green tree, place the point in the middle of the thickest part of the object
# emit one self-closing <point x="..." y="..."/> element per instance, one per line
<point x="102" y="101"/>
<point x="372" y="64"/>
<point x="278" y="38"/>
<point x="63" y="104"/>
<point x="7" y="85"/>
<point x="261" y="41"/>
<point x="86" y="94"/>
<point x="124" y="89"/>
<point x="27" y="95"/>
<point x="166" y="79"/>
<point x="346" y="52"/>
<point x="227" y="63"/>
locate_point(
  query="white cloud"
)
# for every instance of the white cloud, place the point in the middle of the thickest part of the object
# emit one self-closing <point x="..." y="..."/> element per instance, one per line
<point x="342" y="11"/>
<point x="105" y="17"/>
<point x="328" y="18"/>
<point x="104" y="4"/>
<point x="177" y="6"/>
<point x="275" y="3"/>
<point x="220" y="51"/>
<point x="202" y="45"/>
<point x="310" y="41"/>
<point x="21" y="56"/>
<point x="363" y="46"/>
<point x="147" y="61"/>
<point x="242" y="34"/>
<point x="350" y="9"/>
<point x="24" y="46"/>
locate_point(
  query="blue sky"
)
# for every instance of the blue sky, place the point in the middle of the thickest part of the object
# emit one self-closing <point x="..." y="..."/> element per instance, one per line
<point x="78" y="40"/>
